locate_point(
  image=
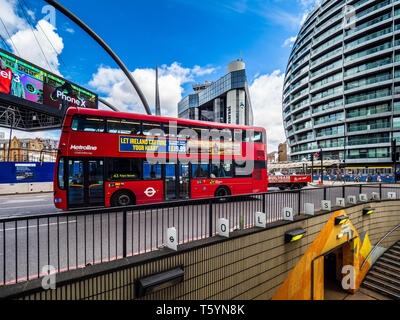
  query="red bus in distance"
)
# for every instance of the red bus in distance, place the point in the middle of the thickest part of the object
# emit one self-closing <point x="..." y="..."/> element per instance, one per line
<point x="112" y="159"/>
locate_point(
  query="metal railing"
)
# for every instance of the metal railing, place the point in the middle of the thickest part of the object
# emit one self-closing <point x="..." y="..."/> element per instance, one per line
<point x="377" y="245"/>
<point x="34" y="246"/>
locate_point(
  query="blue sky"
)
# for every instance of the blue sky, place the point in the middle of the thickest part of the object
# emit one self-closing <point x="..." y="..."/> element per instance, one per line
<point x="202" y="33"/>
<point x="190" y="40"/>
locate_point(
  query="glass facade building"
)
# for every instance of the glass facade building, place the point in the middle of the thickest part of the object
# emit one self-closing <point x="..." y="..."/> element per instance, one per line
<point x="226" y="100"/>
<point x="342" y="86"/>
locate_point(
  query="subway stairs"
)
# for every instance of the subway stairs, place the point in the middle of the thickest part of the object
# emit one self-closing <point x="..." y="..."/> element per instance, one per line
<point x="384" y="276"/>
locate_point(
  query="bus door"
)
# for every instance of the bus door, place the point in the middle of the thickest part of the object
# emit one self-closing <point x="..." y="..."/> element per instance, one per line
<point x="170" y="182"/>
<point x="184" y="181"/>
<point x="85" y="183"/>
<point x="177" y="181"/>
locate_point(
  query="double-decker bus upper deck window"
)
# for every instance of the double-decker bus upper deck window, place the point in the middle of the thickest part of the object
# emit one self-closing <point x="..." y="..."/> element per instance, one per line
<point x="113" y="125"/>
<point x="247" y="134"/>
<point x="130" y="127"/>
<point x="152" y="129"/>
<point x="172" y="130"/>
<point x="238" y="135"/>
<point x="88" y="124"/>
<point x="202" y="133"/>
<point x="218" y="134"/>
<point x="258" y="137"/>
<point x="123" y="126"/>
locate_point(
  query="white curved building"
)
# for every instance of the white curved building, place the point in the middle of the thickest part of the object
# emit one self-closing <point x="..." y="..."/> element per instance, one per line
<point x="342" y="85"/>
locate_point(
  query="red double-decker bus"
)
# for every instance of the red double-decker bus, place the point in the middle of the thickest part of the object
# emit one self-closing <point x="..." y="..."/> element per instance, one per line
<point x="108" y="158"/>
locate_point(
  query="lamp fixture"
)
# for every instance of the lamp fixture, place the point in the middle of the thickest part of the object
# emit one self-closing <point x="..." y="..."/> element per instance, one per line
<point x="294" y="235"/>
<point x="158" y="281"/>
<point x="368" y="211"/>
<point x="341" y="220"/>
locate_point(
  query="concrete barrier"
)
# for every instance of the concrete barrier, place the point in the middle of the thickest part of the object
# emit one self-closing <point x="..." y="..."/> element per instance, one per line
<point x="25" y="188"/>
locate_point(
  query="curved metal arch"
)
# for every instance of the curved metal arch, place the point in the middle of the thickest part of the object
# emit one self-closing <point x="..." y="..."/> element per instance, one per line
<point x="108" y="105"/>
<point x="101" y="42"/>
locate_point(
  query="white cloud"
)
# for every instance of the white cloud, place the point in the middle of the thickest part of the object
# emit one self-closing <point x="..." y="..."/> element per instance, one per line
<point x="12" y="21"/>
<point x="52" y="46"/>
<point x="199" y="71"/>
<point x="308" y="7"/>
<point x="23" y="39"/>
<point x="289" y="41"/>
<point x="120" y="93"/>
<point x="70" y="30"/>
<point x="266" y="97"/>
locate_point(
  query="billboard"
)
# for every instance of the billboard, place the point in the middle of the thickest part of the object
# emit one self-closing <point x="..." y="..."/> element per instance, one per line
<point x="164" y="145"/>
<point x="25" y="84"/>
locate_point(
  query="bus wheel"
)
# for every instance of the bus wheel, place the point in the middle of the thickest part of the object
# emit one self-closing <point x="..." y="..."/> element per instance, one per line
<point x="294" y="186"/>
<point x="123" y="199"/>
<point x="222" y="192"/>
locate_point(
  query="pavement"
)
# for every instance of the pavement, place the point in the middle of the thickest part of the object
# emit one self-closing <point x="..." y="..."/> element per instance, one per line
<point x="341" y="183"/>
<point x="333" y="291"/>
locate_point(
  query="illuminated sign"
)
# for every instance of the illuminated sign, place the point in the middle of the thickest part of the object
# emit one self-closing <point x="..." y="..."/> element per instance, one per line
<point x="29" y="84"/>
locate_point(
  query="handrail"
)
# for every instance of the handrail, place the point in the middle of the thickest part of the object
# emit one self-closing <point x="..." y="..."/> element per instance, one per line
<point x="376" y="246"/>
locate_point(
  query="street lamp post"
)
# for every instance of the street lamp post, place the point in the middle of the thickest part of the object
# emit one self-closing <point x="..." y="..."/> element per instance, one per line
<point x="321" y="155"/>
<point x="394" y="158"/>
<point x="312" y="168"/>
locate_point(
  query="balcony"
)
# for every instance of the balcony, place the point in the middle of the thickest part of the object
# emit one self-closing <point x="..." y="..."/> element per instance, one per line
<point x="367" y="40"/>
<point x="365" y="83"/>
<point x="330" y="122"/>
<point x="373" y="141"/>
<point x="368" y="127"/>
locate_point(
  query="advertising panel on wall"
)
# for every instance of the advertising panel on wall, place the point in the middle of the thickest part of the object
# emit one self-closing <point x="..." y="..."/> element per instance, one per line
<point x="12" y="172"/>
<point x="24" y="84"/>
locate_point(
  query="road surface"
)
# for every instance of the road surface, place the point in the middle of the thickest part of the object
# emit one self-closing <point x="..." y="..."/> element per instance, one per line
<point x="27" y="204"/>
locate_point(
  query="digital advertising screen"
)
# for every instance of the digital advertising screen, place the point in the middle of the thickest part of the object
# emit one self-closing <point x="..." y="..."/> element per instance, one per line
<point x="23" y="80"/>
